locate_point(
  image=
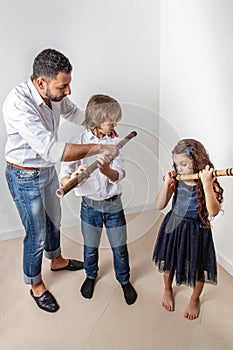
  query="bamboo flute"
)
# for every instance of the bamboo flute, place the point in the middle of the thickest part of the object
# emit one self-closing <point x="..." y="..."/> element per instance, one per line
<point x="92" y="167"/>
<point x="216" y="173"/>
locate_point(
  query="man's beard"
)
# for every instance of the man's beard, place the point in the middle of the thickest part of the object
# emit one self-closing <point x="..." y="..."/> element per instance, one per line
<point x="52" y="97"/>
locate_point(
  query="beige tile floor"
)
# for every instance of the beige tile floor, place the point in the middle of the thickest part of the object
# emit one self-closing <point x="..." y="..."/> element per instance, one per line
<point x="106" y="322"/>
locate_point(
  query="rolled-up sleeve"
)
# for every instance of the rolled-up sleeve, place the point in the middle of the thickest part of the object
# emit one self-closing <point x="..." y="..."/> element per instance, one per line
<point x="118" y="165"/>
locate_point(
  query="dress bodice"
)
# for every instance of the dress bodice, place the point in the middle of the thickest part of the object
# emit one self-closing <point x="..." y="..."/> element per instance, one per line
<point x="185" y="201"/>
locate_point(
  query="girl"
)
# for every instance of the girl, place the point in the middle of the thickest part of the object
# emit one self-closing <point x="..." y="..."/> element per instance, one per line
<point x="184" y="246"/>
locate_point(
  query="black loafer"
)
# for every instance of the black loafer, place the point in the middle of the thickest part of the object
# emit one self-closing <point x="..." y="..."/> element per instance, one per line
<point x="73" y="265"/>
<point x="46" y="301"/>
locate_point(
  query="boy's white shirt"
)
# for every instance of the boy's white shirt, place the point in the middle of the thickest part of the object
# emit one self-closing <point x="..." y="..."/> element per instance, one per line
<point x="97" y="186"/>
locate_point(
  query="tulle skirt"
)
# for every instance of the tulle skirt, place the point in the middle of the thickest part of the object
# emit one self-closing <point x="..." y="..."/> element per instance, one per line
<point x="186" y="250"/>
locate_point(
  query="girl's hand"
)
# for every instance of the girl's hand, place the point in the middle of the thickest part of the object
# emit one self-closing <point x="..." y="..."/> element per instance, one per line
<point x="206" y="176"/>
<point x="166" y="191"/>
<point x="207" y="179"/>
<point x="170" y="177"/>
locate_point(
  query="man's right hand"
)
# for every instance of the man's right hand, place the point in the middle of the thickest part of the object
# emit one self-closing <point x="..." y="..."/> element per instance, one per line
<point x="110" y="151"/>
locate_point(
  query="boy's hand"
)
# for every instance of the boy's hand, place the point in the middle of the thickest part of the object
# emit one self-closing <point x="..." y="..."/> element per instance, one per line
<point x="103" y="159"/>
<point x="78" y="171"/>
<point x="104" y="162"/>
<point x="113" y="134"/>
<point x="105" y="169"/>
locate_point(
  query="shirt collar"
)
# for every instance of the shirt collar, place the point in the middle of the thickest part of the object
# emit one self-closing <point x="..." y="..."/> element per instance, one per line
<point x="91" y="136"/>
<point x="38" y="99"/>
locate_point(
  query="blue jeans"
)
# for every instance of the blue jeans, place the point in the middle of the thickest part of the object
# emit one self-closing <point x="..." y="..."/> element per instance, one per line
<point x="40" y="212"/>
<point x="110" y="213"/>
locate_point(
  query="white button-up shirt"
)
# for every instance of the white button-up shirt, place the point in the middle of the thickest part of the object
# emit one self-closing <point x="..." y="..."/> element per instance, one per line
<point x="32" y="127"/>
<point x="97" y="186"/>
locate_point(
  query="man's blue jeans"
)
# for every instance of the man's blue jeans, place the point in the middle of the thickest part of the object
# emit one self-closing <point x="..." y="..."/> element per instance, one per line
<point x="34" y="193"/>
<point x="110" y="213"/>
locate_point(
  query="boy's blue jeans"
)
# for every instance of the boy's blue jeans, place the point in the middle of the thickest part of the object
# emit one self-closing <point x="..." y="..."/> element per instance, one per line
<point x="95" y="214"/>
<point x="34" y="193"/>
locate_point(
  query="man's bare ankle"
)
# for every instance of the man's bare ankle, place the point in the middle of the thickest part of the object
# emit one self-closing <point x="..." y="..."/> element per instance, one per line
<point x="38" y="288"/>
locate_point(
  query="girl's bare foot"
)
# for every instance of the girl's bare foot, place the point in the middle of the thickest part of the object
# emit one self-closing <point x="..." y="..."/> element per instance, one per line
<point x="168" y="300"/>
<point x="193" y="309"/>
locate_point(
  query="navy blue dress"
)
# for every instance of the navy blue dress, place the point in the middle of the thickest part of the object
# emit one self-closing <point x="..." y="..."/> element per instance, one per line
<point x="183" y="247"/>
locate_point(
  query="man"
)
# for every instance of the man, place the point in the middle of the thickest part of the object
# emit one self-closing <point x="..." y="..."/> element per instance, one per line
<point x="32" y="113"/>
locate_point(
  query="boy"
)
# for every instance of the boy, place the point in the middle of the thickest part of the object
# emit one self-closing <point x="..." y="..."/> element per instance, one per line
<point x="101" y="197"/>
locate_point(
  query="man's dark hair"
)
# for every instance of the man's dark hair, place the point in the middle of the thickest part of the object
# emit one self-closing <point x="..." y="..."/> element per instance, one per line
<point x="49" y="62"/>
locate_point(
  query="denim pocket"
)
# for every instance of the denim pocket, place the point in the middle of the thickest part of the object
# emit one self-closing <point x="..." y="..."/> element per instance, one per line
<point x="28" y="174"/>
<point x="10" y="181"/>
<point x="84" y="205"/>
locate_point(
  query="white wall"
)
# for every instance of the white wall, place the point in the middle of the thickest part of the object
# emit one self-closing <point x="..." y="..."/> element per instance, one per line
<point x="196" y="91"/>
<point x="114" y="49"/>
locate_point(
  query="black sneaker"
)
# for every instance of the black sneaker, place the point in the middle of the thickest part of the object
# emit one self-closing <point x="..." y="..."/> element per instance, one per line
<point x="130" y="293"/>
<point x="87" y="288"/>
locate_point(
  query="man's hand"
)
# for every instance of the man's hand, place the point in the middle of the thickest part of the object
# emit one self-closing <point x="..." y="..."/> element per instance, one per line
<point x="109" y="151"/>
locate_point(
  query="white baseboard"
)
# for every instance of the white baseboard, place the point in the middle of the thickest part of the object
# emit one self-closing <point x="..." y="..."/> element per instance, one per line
<point x="225" y="263"/>
<point x="139" y="207"/>
<point x="13" y="232"/>
<point x="69" y="221"/>
<point x="74" y="220"/>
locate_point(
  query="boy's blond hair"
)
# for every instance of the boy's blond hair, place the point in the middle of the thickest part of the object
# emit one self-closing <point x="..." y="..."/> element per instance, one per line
<point x="101" y="108"/>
